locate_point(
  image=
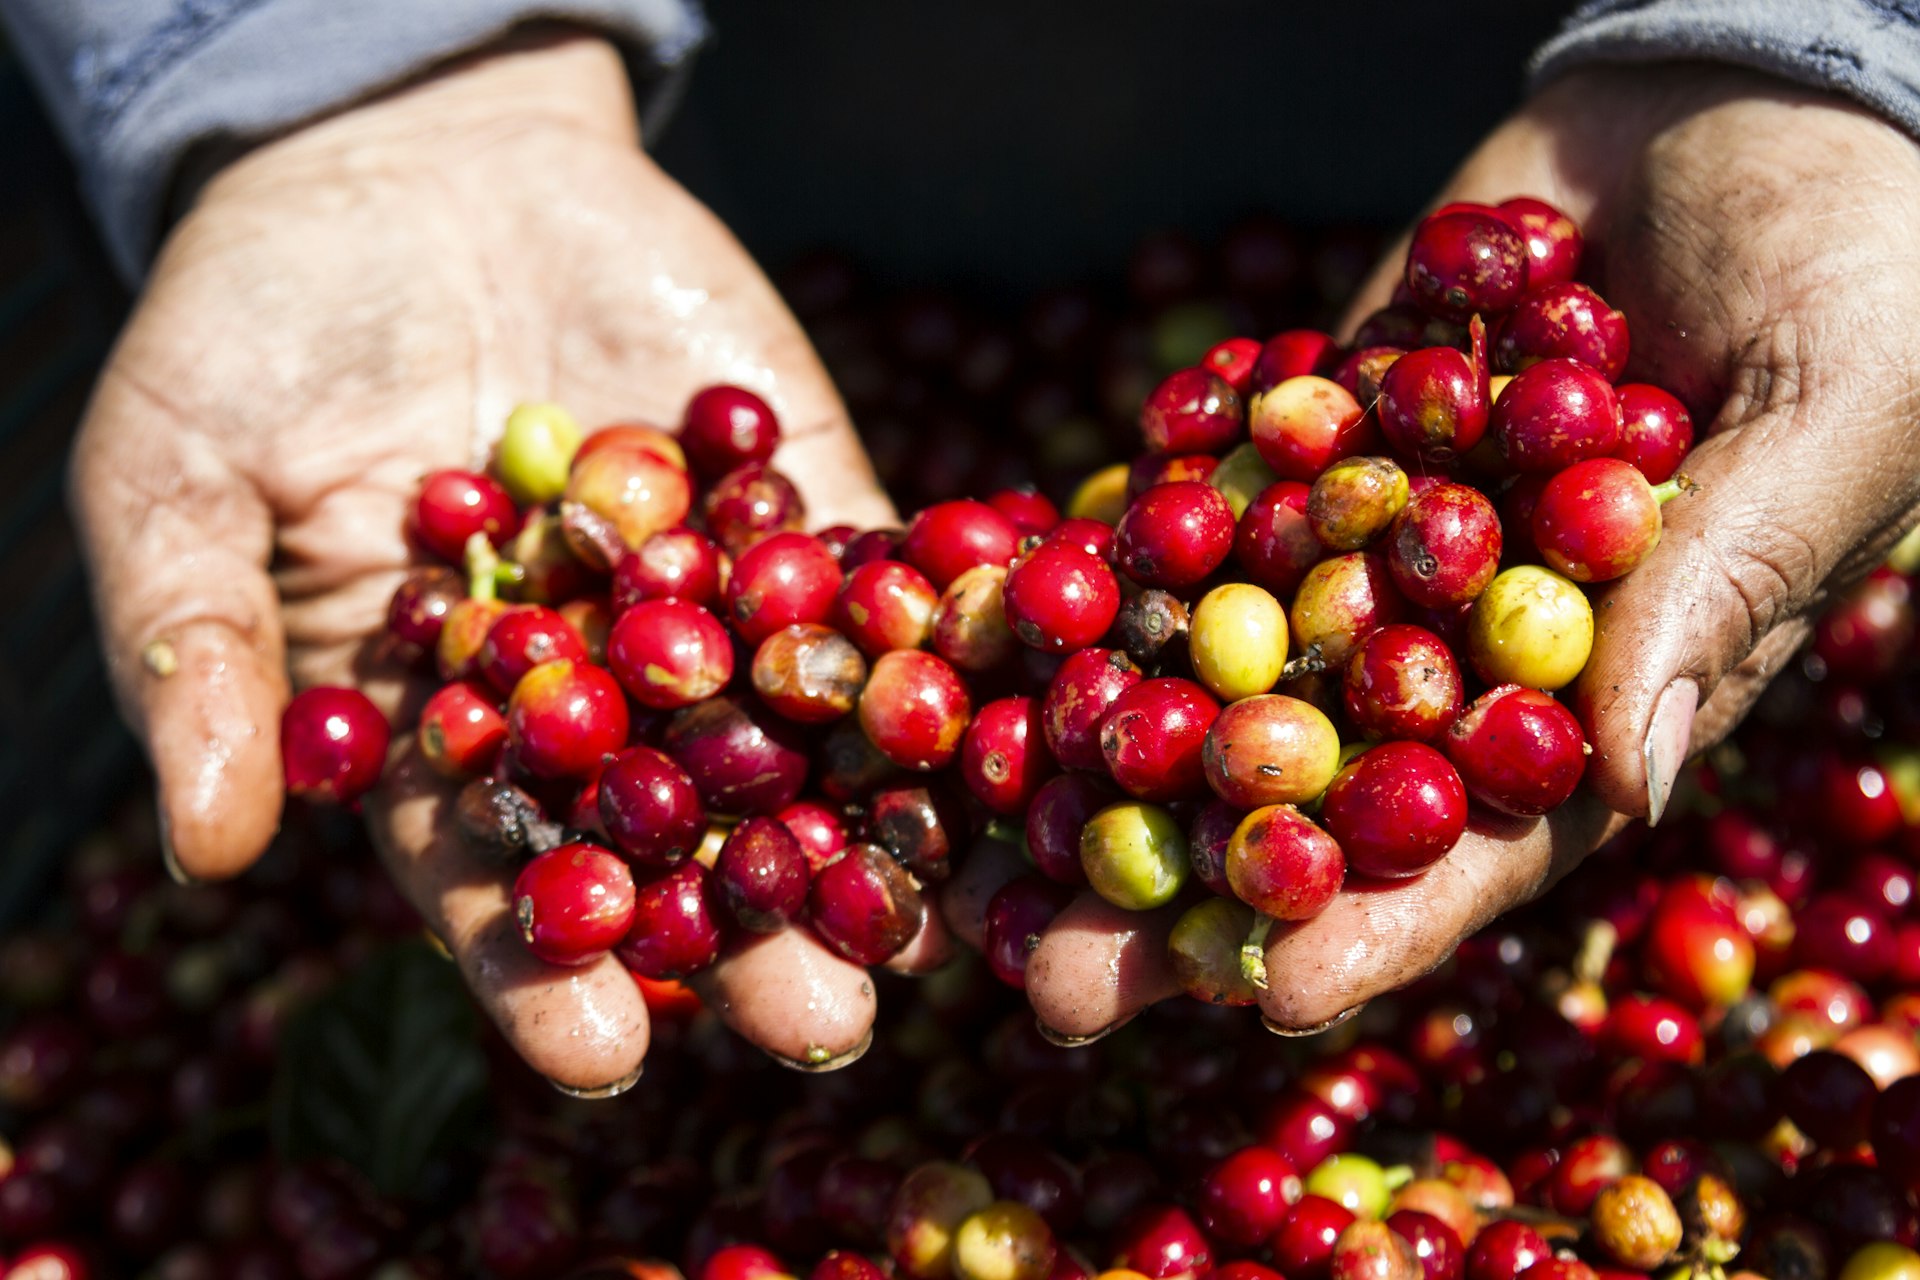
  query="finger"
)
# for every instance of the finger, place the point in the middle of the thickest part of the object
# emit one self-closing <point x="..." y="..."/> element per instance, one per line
<point x="796" y="1000"/>
<point x="1098" y="965"/>
<point x="930" y="948"/>
<point x="1379" y="935"/>
<point x="584" y="1028"/>
<point x="178" y="543"/>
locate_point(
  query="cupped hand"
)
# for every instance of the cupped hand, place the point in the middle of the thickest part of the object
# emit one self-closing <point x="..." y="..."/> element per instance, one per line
<point x="1764" y="243"/>
<point x="344" y="310"/>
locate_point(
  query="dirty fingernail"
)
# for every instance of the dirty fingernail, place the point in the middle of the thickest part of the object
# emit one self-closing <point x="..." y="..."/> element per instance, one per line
<point x="819" y="1060"/>
<point x="613" y="1090"/>
<point x="1292" y="1032"/>
<point x="169" y="859"/>
<point x="1065" y="1041"/>
<point x="1668" y="737"/>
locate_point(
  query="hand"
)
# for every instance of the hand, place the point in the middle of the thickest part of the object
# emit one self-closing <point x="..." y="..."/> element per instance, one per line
<point x="1764" y="242"/>
<point x="342" y="311"/>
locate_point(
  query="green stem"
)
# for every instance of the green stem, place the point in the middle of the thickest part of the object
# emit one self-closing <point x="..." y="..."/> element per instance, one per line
<point x="483" y="568"/>
<point x="1665" y="493"/>
<point x="1253" y="953"/>
<point x="1397" y="1176"/>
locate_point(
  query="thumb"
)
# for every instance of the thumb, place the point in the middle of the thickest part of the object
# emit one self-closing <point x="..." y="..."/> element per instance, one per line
<point x="1806" y="483"/>
<point x="178" y="542"/>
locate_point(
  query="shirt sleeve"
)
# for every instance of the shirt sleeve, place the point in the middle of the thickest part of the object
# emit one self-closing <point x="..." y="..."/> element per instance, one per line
<point x="1868" y="50"/>
<point x="133" y="84"/>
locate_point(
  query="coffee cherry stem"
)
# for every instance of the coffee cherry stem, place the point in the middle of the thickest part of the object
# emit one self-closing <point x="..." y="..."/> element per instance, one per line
<point x="1665" y="492"/>
<point x="1596" y="951"/>
<point x="484" y="568"/>
<point x="1309" y="663"/>
<point x="1482" y="367"/>
<point x="1399" y="1175"/>
<point x="1253" y="952"/>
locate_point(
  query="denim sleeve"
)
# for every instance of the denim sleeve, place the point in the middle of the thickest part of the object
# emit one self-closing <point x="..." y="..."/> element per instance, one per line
<point x="1868" y="50"/>
<point x="132" y="84"/>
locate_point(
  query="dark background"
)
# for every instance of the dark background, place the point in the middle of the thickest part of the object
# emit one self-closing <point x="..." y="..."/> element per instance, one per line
<point x="989" y="147"/>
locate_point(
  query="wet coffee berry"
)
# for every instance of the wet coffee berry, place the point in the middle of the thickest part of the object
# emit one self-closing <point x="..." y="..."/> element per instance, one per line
<point x="1152" y="738"/>
<point x="785" y="578"/>
<point x="521" y="639"/>
<point x="865" y="906"/>
<point x="452" y="506"/>
<point x="748" y="503"/>
<point x="669" y="654"/>
<point x="1306" y="423"/>
<point x="761" y="875"/>
<point x="1174" y="535"/>
<point x="948" y="538"/>
<point x="573" y="904"/>
<point x="1465" y="262"/>
<point x="1271" y="749"/>
<point x="727" y="427"/>
<point x="915" y="709"/>
<point x="1134" y="855"/>
<point x="1353" y="501"/>
<point x="1563" y="320"/>
<point x="1003" y="758"/>
<point x="1192" y="411"/>
<point x="1530" y="627"/>
<point x="675" y="932"/>
<point x="461" y="729"/>
<point x="1017" y="914"/>
<point x="1656" y="431"/>
<point x="1054" y="820"/>
<point x="742" y="759"/>
<point x="1444" y="548"/>
<point x="808" y="673"/>
<point x="635" y="489"/>
<point x="1517" y="750"/>
<point x="650" y="808"/>
<point x="1341" y="602"/>
<point x="1237" y="640"/>
<point x="565" y="717"/>
<point x="1203" y="951"/>
<point x="1402" y="682"/>
<point x="1273" y="544"/>
<point x="1554" y="414"/>
<point x="1396" y="809"/>
<point x="1282" y="865"/>
<point x="1243" y="1198"/>
<point x="970" y="624"/>
<point x="1598" y="519"/>
<point x="883" y="605"/>
<point x="1058" y="598"/>
<point x="1078" y="698"/>
<point x="1554" y="242"/>
<point x="679" y="562"/>
<point x="1432" y="404"/>
<point x="333" y="744"/>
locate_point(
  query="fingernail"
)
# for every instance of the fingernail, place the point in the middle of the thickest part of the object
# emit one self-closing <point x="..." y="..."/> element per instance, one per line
<point x="1294" y="1032"/>
<point x="1667" y="740"/>
<point x="613" y="1090"/>
<point x="169" y="859"/>
<point x="1065" y="1041"/>
<point x="818" y="1061"/>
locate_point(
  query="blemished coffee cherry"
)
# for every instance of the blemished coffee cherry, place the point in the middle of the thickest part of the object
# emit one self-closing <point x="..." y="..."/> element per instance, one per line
<point x="1282" y="865"/>
<point x="1003" y="758"/>
<point x="1270" y="749"/>
<point x="1432" y="404"/>
<point x="573" y="904"/>
<point x="1077" y="700"/>
<point x="1563" y="320"/>
<point x="1273" y="544"/>
<point x="675" y="932"/>
<point x="1232" y="361"/>
<point x="1402" y="682"/>
<point x="650" y="808"/>
<point x="1151" y="469"/>
<point x="783" y="579"/>
<point x="1244" y="1197"/>
<point x="1598" y="519"/>
<point x="1191" y="411"/>
<point x="743" y="759"/>
<point x="1530" y="627"/>
<point x="915" y="709"/>
<point x="452" y="506"/>
<point x="1466" y="261"/>
<point x="1444" y="547"/>
<point x="1554" y="414"/>
<point x="1517" y="750"/>
<point x="1204" y="953"/>
<point x="522" y="638"/>
<point x="1153" y="627"/>
<point x="636" y="489"/>
<point x="679" y="562"/>
<point x="421" y="604"/>
<point x="1635" y="1223"/>
<point x="808" y="673"/>
<point x="1003" y="1241"/>
<point x="970" y="624"/>
<point x="1017" y="914"/>
<point x="727" y="427"/>
<point x="922" y="822"/>
<point x="1304" y="424"/>
<point x="1174" y="535"/>
<point x="761" y="875"/>
<point x="457" y="654"/>
<point x="1134" y="855"/>
<point x="946" y="539"/>
<point x="536" y="452"/>
<point x="1341" y="602"/>
<point x="1237" y="640"/>
<point x="1396" y="809"/>
<point x="883" y="605"/>
<point x="461" y="729"/>
<point x="1207" y="839"/>
<point x="1353" y="501"/>
<point x="1152" y="738"/>
<point x="1656" y="432"/>
<point x="865" y="906"/>
<point x="1058" y="598"/>
<point x="1554" y="242"/>
<point x="333" y="744"/>
<point x="669" y="654"/>
<point x="749" y="503"/>
<point x="1369" y="1250"/>
<point x="565" y="717"/>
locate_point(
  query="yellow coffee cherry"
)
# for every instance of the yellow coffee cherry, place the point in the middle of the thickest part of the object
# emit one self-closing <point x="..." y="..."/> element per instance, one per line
<point x="1241" y="477"/>
<point x="536" y="451"/>
<point x="1530" y="627"/>
<point x="1101" y="496"/>
<point x="1134" y="854"/>
<point x="1237" y="639"/>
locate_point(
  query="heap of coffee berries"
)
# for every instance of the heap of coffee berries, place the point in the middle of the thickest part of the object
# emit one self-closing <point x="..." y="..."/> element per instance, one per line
<point x="1329" y="605"/>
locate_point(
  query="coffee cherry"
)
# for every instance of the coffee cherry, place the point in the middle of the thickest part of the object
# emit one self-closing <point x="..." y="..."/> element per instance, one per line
<point x="669" y="654"/>
<point x="1567" y="321"/>
<point x="1059" y="810"/>
<point x="461" y="729"/>
<point x="1003" y="758"/>
<point x="1003" y="1241"/>
<point x="1162" y="1243"/>
<point x="1292" y="353"/>
<point x="1273" y="543"/>
<point x="421" y="604"/>
<point x="1153" y="627"/>
<point x="1504" y="1249"/>
<point x="333" y="744"/>
<point x="1017" y="914"/>
<point x="1232" y="361"/>
<point x="564" y="717"/>
<point x="678" y="562"/>
<point x="522" y="638"/>
<point x="1635" y="1223"/>
<point x="1095" y="537"/>
<point x="674" y="933"/>
<point x="535" y="452"/>
<point x="1402" y="682"/>
<point x="1242" y="476"/>
<point x="1554" y="414"/>
<point x="650" y="808"/>
<point x="1341" y="602"/>
<point x="1243" y="1199"/>
<point x="573" y="904"/>
<point x="1304" y="424"/>
<point x="1829" y="1097"/>
<point x="946" y="539"/>
<point x="1174" y="535"/>
<point x="1597" y="520"/>
<point x="914" y="709"/>
<point x="970" y="623"/>
<point x="1030" y="511"/>
<point x="742" y="759"/>
<point x="1152" y="737"/>
<point x="1369" y="1250"/>
<point x="1354" y="500"/>
<point x="1881" y="1260"/>
<point x="1077" y="701"/>
<point x="1432" y="405"/>
<point x="1283" y="866"/>
<point x="1530" y="627"/>
<point x="783" y="579"/>
<point x="1207" y="838"/>
<point x="865" y="906"/>
<point x="1303" y="1245"/>
<point x="1271" y="749"/>
<point x="883" y="605"/>
<point x="1553" y="240"/>
<point x="1396" y="809"/>
<point x="923" y="823"/>
<point x="1059" y="598"/>
<point x="1204" y="953"/>
<point x="1134" y="855"/>
<point x="633" y="435"/>
<point x="1517" y="750"/>
<point x="452" y="506"/>
<point x="1444" y="548"/>
<point x="1238" y="641"/>
<point x="761" y="875"/>
<point x="1656" y="431"/>
<point x="808" y="673"/>
<point x="1191" y="411"/>
<point x="635" y="489"/>
<point x="1466" y="261"/>
<point x="725" y="428"/>
<point x="748" y="503"/>
<point x="457" y="653"/>
<point x="932" y="1202"/>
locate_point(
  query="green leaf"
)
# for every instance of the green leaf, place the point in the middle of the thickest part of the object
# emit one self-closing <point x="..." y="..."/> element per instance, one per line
<point x="384" y="1071"/>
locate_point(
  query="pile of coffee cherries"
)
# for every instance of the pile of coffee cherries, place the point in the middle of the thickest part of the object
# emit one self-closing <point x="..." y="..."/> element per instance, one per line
<point x="1283" y="646"/>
